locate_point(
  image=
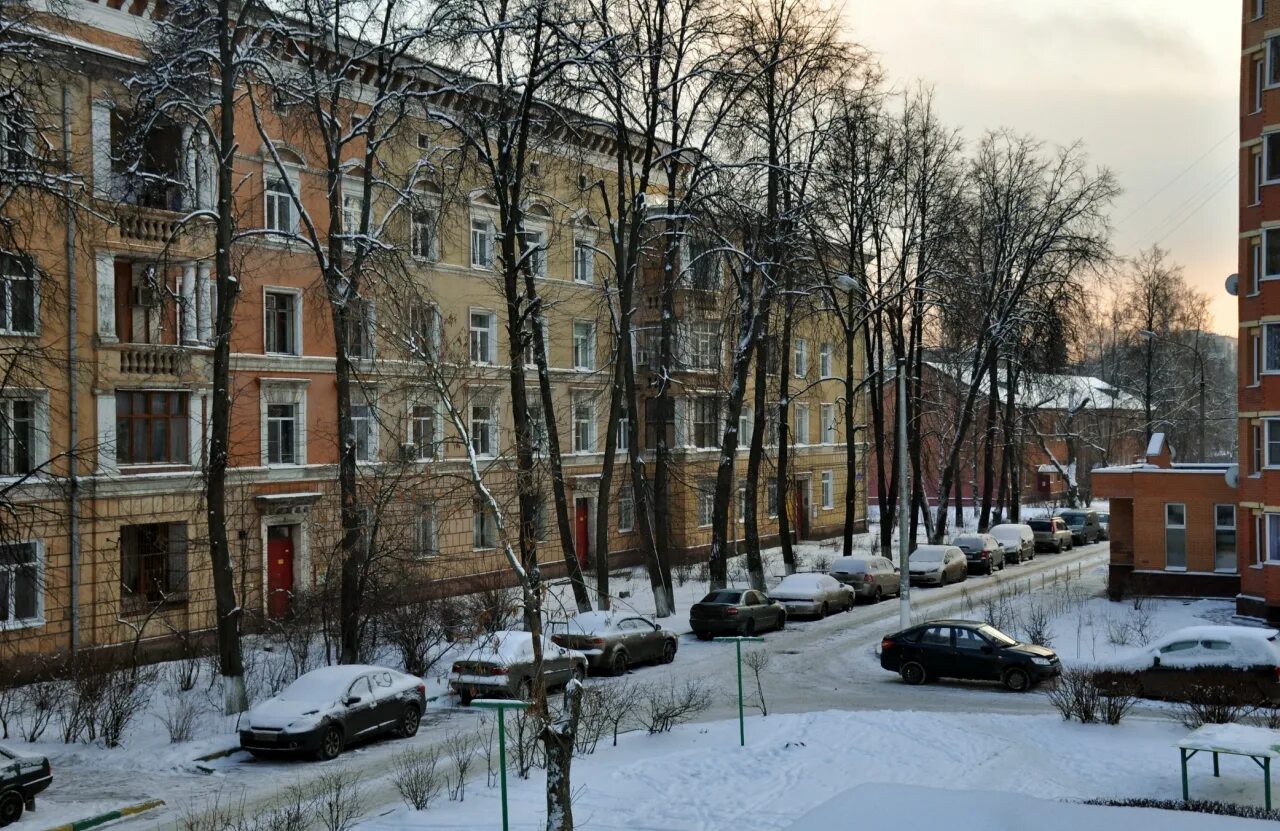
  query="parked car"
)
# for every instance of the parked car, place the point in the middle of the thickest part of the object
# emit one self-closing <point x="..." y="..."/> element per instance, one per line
<point x="21" y="778"/>
<point x="1241" y="661"/>
<point x="1051" y="534"/>
<point x="966" y="649"/>
<point x="329" y="708"/>
<point x="502" y="664"/>
<point x="612" y="642"/>
<point x="1017" y="540"/>
<point x="1084" y="526"/>
<point x="1104" y="522"/>
<point x="872" y="578"/>
<point x="736" y="612"/>
<point x="937" y="565"/>
<point x="983" y="552"/>
<point x="813" y="594"/>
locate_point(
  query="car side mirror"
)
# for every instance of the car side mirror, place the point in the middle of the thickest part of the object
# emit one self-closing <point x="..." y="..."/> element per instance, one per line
<point x="351" y="699"/>
<point x="1155" y="662"/>
<point x="656" y="627"/>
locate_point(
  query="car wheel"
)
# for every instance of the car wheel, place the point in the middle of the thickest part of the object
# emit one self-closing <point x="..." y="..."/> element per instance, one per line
<point x="409" y="721"/>
<point x="1017" y="679"/>
<point x="11" y="805"/>
<point x="464" y="698"/>
<point x="618" y="666"/>
<point x="702" y="636"/>
<point x="913" y="673"/>
<point x="525" y="690"/>
<point x="782" y="621"/>
<point x="1059" y="546"/>
<point x="825" y="611"/>
<point x="877" y="597"/>
<point x="668" y="652"/>
<point x="579" y="673"/>
<point x="330" y="743"/>
<point x="749" y="628"/>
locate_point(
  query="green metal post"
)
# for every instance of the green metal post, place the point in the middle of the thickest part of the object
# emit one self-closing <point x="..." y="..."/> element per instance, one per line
<point x="1215" y="763"/>
<point x="1186" y="792"/>
<point x="502" y="762"/>
<point x="742" y="724"/>
<point x="1266" y="785"/>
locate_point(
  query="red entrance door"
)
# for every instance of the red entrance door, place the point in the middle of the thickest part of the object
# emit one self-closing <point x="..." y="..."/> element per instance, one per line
<point x="801" y="501"/>
<point x="581" y="533"/>
<point x="279" y="570"/>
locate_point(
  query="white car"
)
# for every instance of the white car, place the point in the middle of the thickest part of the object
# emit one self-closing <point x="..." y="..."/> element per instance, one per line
<point x="1017" y="540"/>
<point x="331" y="707"/>
<point x="1237" y="647"/>
<point x="813" y="594"/>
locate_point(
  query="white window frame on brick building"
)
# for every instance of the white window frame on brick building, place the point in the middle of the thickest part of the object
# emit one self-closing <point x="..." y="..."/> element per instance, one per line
<point x="21" y="578"/>
<point x="584" y="422"/>
<point x="800" y="358"/>
<point x="584" y="345"/>
<point x="1175" y="536"/>
<point x="706" y="502"/>
<point x="626" y="509"/>
<point x="800" y="428"/>
<point x="828" y="490"/>
<point x="482" y="236"/>
<point x="483" y="429"/>
<point x="484" y="526"/>
<point x="1226" y="539"/>
<point x="426" y="532"/>
<point x="275" y="318"/>
<point x="426" y="427"/>
<point x="424" y="242"/>
<point x="19" y="287"/>
<point x="280" y="192"/>
<point x="284" y="391"/>
<point x="483" y="340"/>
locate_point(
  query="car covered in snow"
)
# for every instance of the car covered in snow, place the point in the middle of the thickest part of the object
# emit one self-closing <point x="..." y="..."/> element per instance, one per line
<point x="982" y="551"/>
<point x="736" y="612"/>
<point x="937" y="565"/>
<point x="1242" y="661"/>
<point x="329" y="708"/>
<point x="21" y="778"/>
<point x="615" y="640"/>
<point x="969" y="650"/>
<point x="502" y="664"/>
<point x="1017" y="539"/>
<point x="872" y="578"/>
<point x="813" y="594"/>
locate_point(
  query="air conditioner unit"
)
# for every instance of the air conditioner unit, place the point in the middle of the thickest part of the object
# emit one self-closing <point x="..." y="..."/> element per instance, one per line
<point x="408" y="452"/>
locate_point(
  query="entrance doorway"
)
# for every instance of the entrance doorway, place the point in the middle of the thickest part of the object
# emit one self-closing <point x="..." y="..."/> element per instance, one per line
<point x="281" y="543"/>
<point x="582" y="530"/>
<point x="801" y="500"/>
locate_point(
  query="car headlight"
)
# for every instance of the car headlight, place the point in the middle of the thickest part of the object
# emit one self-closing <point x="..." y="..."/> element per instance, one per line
<point x="301" y="725"/>
<point x="1041" y="661"/>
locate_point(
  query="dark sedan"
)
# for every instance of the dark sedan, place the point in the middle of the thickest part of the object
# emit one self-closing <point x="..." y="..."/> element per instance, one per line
<point x="968" y="650"/>
<point x="21" y="778"/>
<point x="331" y="707"/>
<point x="736" y="612"/>
<point x="613" y="642"/>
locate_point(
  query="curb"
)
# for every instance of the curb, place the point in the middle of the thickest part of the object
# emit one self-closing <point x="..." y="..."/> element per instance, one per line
<point x="110" y="816"/>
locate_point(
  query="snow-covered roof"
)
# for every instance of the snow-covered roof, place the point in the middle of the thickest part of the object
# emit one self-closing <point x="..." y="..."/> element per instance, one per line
<point x="1155" y="445"/>
<point x="1051" y="391"/>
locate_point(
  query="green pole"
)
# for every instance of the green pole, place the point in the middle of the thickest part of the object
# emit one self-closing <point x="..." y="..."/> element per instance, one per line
<point x="1186" y="792"/>
<point x="1266" y="772"/>
<point x="742" y="724"/>
<point x="502" y="762"/>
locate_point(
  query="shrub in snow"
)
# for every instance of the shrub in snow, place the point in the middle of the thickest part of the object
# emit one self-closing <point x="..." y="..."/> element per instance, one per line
<point x="1075" y="695"/>
<point x="1037" y="623"/>
<point x="292" y="812"/>
<point x="757" y="660"/>
<point x="337" y="802"/>
<point x="10" y="708"/>
<point x="999" y="610"/>
<point x="125" y="696"/>
<point x="1199" y="806"/>
<point x="1218" y="703"/>
<point x="605" y="709"/>
<point x="524" y="751"/>
<point x="179" y="717"/>
<point x="461" y="748"/>
<point x="416" y="778"/>
<point x="663" y="706"/>
<point x="41" y="701"/>
<point x="419" y="632"/>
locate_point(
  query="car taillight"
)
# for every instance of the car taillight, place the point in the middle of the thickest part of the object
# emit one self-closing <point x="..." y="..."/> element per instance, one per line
<point x="986" y="555"/>
<point x="497" y="670"/>
<point x="886" y="644"/>
<point x="598" y="642"/>
<point x="422" y="688"/>
<point x="867" y="578"/>
<point x="731" y="611"/>
<point x="457" y="668"/>
<point x="1277" y="673"/>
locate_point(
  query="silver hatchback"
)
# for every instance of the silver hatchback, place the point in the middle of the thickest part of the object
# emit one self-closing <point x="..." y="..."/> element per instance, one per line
<point x="871" y="578"/>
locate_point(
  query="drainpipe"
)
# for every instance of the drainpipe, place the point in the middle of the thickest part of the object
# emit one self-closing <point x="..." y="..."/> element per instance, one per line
<point x="73" y="383"/>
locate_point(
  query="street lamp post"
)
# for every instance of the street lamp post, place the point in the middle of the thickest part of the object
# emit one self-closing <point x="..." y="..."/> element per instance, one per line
<point x="1195" y="351"/>
<point x="501" y="705"/>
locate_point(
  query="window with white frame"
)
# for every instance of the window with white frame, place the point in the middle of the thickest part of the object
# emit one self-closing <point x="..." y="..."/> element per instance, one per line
<point x="17" y="130"/>
<point x="1255" y="266"/>
<point x="1259" y="8"/>
<point x="771" y="498"/>
<point x="1271" y="158"/>
<point x="364" y="424"/>
<point x="744" y="428"/>
<point x="706" y="502"/>
<point x="423" y="235"/>
<point x="584" y="260"/>
<point x="17" y="295"/>
<point x="283" y="425"/>
<point x="425" y="333"/>
<point x="1259" y="539"/>
<point x="706" y="421"/>
<point x="1255" y="358"/>
<point x="801" y="363"/>
<point x="1224" y="538"/>
<point x="426" y="535"/>
<point x="484" y="527"/>
<point x="1259" y="83"/>
<point x="827" y="412"/>
<point x="828" y="489"/>
<point x="484" y="427"/>
<point x="1255" y="184"/>
<point x="18" y="439"/>
<point x="1273" y="61"/>
<point x="802" y="424"/>
<point x="584" y="423"/>
<point x="1271" y="347"/>
<point x="742" y="503"/>
<point x="626" y="508"/>
<point x="1270" y="253"/>
<point x="21" y="586"/>
<point x="624" y="432"/>
<point x="824" y="360"/>
<point x="425" y="430"/>
<point x="540" y="515"/>
<point x="531" y="344"/>
<point x="283" y="335"/>
<point x="704" y="345"/>
<point x="484" y="337"/>
<point x="279" y="190"/>
<point x="282" y="434"/>
<point x="481" y="242"/>
<point x="534" y="238"/>
<point x="1175" y="536"/>
<point x="1273" y="538"/>
<point x="153" y="564"/>
<point x="360" y="328"/>
<point x="537" y="425"/>
<point x="1256" y="447"/>
<point x="584" y="345"/>
<point x="352" y="209"/>
<point x="1272" y="426"/>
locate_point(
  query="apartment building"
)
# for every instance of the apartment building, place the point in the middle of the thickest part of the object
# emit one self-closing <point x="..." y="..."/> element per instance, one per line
<point x="107" y="345"/>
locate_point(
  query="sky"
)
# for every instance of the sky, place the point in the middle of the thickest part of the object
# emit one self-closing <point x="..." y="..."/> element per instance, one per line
<point x="1151" y="88"/>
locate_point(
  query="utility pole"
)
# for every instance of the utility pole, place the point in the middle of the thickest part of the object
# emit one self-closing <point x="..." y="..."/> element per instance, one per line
<point x="904" y="512"/>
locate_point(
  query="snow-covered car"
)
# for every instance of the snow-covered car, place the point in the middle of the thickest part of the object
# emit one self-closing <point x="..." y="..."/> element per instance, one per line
<point x="614" y="640"/>
<point x="331" y="707"/>
<point x="813" y="594"/>
<point x="21" y="778"/>
<point x="872" y="578"/>
<point x="983" y="551"/>
<point x="1243" y="660"/>
<point x="1017" y="540"/>
<point x="937" y="565"/>
<point x="502" y="664"/>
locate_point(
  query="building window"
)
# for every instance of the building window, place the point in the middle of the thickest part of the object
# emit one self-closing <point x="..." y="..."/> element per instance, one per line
<point x="744" y="428"/>
<point x="802" y="424"/>
<point x="706" y="417"/>
<point x="1259" y="83"/>
<point x="365" y="427"/>
<point x="360" y="328"/>
<point x="1271" y="347"/>
<point x="1273" y="538"/>
<point x="584" y="345"/>
<point x="16" y="137"/>
<point x="281" y="321"/>
<point x="481" y="242"/>
<point x="1270" y="158"/>
<point x="1259" y="9"/>
<point x="1255" y="358"/>
<point x="1256" y="182"/>
<point x="828" y="490"/>
<point x="1271" y="251"/>
<point x="423" y="235"/>
<point x="624" y="432"/>
<point x="484" y="429"/>
<point x="282" y="434"/>
<point x="21" y="589"/>
<point x="535" y="250"/>
<point x="352" y="210"/>
<point x="1255" y="267"/>
<point x="584" y="423"/>
<point x="828" y="415"/>
<point x="1273" y="442"/>
<point x="484" y="338"/>
<point x="17" y="295"/>
<point x="153" y="563"/>
<point x="1273" y="61"/>
<point x="1255" y="436"/>
<point x="424" y="422"/>
<point x="704" y="346"/>
<point x="706" y="502"/>
<point x="1224" y="538"/>
<point x="1175" y="536"/>
<point x="771" y="499"/>
<point x="281" y="212"/>
<point x="824" y="360"/>
<point x="151" y="428"/>
<point x="17" y="436"/>
<point x="424" y="331"/>
<point x="626" y="508"/>
<point x="584" y="261"/>
<point x="801" y="367"/>
<point x="426" y="537"/>
<point x="484" y="528"/>
<point x="537" y="426"/>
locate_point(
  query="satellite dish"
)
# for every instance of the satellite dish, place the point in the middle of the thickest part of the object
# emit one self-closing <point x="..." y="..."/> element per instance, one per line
<point x="1233" y="476"/>
<point x="1233" y="285"/>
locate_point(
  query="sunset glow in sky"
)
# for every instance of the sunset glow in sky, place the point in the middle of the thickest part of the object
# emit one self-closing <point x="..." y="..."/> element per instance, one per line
<point x="1150" y="86"/>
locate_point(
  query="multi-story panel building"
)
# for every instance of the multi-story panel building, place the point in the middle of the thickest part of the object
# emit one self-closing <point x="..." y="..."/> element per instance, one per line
<point x="107" y="322"/>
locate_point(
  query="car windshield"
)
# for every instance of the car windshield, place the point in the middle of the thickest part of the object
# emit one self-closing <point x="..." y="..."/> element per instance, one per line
<point x="314" y="690"/>
<point x="976" y="542"/>
<point x="996" y="636"/>
<point x="731" y="597"/>
<point x="927" y="555"/>
<point x="1039" y="525"/>
<point x="1074" y="520"/>
<point x="1104" y="517"/>
<point x="849" y="566"/>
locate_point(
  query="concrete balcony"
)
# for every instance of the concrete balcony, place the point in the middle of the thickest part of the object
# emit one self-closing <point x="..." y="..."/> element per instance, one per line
<point x="131" y="364"/>
<point x="155" y="231"/>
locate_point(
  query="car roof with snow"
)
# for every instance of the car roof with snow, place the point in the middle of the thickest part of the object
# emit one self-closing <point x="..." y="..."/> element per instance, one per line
<point x="930" y="552"/>
<point x="805" y="580"/>
<point x="1239" y="634"/>
<point x="850" y="563"/>
<point x="594" y="623"/>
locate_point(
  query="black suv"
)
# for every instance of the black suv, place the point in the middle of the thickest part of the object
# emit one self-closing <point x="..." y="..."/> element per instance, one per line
<point x="21" y="778"/>
<point x="966" y="649"/>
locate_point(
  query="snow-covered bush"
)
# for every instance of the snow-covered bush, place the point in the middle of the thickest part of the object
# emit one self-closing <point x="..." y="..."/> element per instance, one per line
<point x="1075" y="695"/>
<point x="663" y="706"/>
<point x="337" y="801"/>
<point x="419" y="633"/>
<point x="461" y="748"/>
<point x="179" y="717"/>
<point x="1037" y="622"/>
<point x="416" y="777"/>
<point x="1216" y="703"/>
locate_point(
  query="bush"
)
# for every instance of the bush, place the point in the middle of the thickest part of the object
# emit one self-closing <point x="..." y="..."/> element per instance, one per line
<point x="1037" y="624"/>
<point x="662" y="707"/>
<point x="337" y="801"/>
<point x="125" y="696"/>
<point x="1199" y="806"/>
<point x="41" y="701"/>
<point x="419" y="633"/>
<point x="416" y="778"/>
<point x="461" y="748"/>
<point x="179" y="717"/>
<point x="1209" y="703"/>
<point x="1075" y="694"/>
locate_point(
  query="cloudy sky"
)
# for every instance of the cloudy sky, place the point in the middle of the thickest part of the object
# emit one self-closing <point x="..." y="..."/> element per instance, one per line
<point x="1150" y="86"/>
